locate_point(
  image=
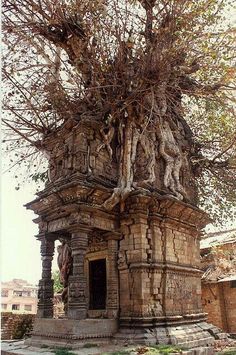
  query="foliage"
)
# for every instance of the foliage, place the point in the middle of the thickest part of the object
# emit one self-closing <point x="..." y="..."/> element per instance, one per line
<point x="43" y="177"/>
<point x="131" y="63"/>
<point x="122" y="352"/>
<point x="63" y="351"/>
<point x="150" y="350"/>
<point x="167" y="349"/>
<point x="57" y="285"/>
<point x="22" y="326"/>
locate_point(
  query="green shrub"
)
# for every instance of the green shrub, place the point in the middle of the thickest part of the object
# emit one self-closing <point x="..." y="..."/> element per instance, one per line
<point x="63" y="351"/>
<point x="166" y="349"/>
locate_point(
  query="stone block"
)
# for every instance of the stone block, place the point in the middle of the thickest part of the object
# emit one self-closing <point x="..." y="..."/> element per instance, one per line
<point x="203" y="351"/>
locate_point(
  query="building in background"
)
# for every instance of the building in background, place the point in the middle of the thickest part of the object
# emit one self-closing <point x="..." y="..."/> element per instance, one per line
<point x="18" y="296"/>
<point x="218" y="252"/>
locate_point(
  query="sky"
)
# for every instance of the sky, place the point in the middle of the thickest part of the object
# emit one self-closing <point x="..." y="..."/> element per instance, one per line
<point x="20" y="250"/>
<point x="20" y="253"/>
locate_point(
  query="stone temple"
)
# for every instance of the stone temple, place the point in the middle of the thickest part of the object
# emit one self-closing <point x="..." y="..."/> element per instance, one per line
<point x="129" y="273"/>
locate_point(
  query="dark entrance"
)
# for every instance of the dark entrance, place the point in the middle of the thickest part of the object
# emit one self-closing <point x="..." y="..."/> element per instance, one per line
<point x="97" y="284"/>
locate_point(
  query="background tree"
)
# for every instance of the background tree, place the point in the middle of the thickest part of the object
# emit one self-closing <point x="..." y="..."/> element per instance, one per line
<point x="57" y="286"/>
<point x="165" y="68"/>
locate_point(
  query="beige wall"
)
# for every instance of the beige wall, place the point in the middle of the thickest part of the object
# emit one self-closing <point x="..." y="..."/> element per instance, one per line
<point x="21" y="301"/>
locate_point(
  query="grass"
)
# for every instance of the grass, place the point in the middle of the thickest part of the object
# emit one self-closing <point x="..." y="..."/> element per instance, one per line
<point x="228" y="352"/>
<point x="122" y="352"/>
<point x="151" y="350"/>
<point x="166" y="349"/>
<point x="63" y="351"/>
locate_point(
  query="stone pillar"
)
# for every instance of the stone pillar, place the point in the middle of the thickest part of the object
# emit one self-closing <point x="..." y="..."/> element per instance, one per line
<point x="78" y="304"/>
<point x="45" y="293"/>
<point x="112" y="278"/>
<point x="134" y="255"/>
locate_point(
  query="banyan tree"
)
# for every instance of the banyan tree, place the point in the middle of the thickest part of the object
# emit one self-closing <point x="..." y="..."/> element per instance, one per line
<point x="131" y="104"/>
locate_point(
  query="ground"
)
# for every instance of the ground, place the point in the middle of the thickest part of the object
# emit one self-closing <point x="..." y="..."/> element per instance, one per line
<point x="19" y="348"/>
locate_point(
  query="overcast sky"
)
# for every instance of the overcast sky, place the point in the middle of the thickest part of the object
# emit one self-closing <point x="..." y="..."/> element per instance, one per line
<point x="20" y="251"/>
<point x="20" y="256"/>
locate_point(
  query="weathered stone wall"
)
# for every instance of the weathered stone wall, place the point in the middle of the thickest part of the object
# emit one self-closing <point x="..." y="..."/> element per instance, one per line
<point x="211" y="300"/>
<point x="14" y="326"/>
<point x="219" y="301"/>
<point x="219" y="298"/>
<point x="80" y="148"/>
<point x="230" y="304"/>
<point x="158" y="264"/>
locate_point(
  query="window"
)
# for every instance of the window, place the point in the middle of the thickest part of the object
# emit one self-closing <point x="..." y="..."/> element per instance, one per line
<point x="28" y="307"/>
<point x="233" y="284"/>
<point x="22" y="293"/>
<point x="4" y="306"/>
<point x="15" y="307"/>
<point x="17" y="293"/>
<point x="4" y="293"/>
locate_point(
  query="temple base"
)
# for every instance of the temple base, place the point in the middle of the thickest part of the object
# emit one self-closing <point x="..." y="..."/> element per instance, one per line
<point x="70" y="332"/>
<point x="184" y="335"/>
<point x="74" y="333"/>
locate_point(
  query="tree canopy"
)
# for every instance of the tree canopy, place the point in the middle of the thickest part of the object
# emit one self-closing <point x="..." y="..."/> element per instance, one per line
<point x="161" y="66"/>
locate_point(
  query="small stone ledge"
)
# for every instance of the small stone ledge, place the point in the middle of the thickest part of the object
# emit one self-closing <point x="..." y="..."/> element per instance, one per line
<point x="71" y="336"/>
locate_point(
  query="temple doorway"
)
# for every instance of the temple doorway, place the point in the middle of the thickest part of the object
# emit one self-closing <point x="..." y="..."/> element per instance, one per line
<point x="97" y="284"/>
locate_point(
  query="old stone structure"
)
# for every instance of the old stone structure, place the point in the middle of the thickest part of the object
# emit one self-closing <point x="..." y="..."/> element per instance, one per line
<point x="135" y="268"/>
<point x="218" y="251"/>
<point x="15" y="326"/>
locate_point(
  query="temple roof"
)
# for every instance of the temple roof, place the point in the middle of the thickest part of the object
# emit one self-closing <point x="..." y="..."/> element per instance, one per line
<point x="218" y="238"/>
<point x="219" y="257"/>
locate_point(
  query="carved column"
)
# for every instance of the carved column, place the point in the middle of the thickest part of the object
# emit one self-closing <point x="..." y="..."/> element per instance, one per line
<point x="112" y="277"/>
<point x="134" y="256"/>
<point x="45" y="293"/>
<point x="77" y="305"/>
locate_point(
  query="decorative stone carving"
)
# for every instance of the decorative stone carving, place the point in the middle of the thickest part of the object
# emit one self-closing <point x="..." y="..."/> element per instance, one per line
<point x="65" y="264"/>
<point x="96" y="242"/>
<point x="81" y="161"/>
<point x="45" y="293"/>
<point x="77" y="307"/>
<point x="112" y="278"/>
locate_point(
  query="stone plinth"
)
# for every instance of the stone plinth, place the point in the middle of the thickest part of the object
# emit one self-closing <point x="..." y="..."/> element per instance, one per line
<point x="186" y="335"/>
<point x="62" y="332"/>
